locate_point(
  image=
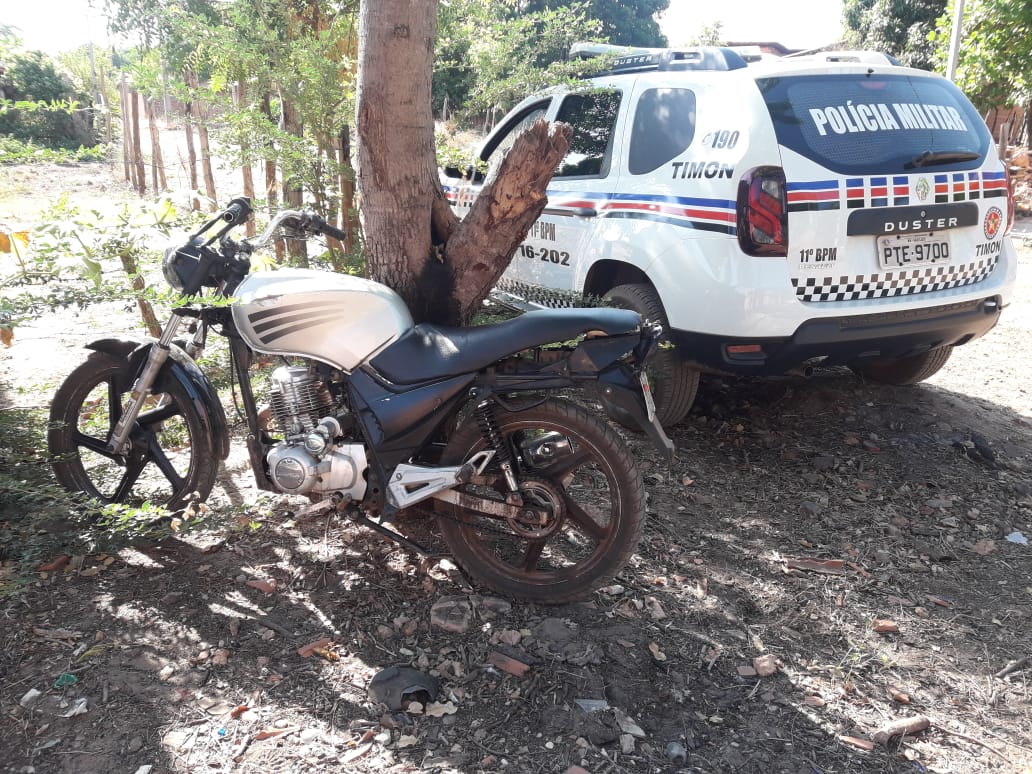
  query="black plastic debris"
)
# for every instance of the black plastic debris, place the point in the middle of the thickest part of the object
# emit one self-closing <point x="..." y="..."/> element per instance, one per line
<point x="397" y="686"/>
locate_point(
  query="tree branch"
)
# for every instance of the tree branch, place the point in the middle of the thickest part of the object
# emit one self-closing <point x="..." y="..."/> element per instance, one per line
<point x="483" y="243"/>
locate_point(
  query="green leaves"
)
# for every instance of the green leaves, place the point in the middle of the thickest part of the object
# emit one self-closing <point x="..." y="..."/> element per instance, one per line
<point x="892" y="27"/>
<point x="68" y="257"/>
<point x="490" y="55"/>
<point x="39" y="103"/>
<point x="996" y="50"/>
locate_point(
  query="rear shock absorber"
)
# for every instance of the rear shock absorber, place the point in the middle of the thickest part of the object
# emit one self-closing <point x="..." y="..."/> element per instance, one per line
<point x="489" y="430"/>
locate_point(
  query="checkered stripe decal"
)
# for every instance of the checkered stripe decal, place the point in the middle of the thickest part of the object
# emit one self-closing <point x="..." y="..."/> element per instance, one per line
<point x="892" y="283"/>
<point x="551" y="298"/>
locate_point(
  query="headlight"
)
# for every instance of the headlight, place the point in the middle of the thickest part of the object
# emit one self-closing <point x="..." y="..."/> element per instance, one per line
<point x="179" y="264"/>
<point x="168" y="268"/>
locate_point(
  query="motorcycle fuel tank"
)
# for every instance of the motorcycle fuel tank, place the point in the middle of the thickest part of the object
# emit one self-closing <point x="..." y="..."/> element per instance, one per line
<point x="339" y="319"/>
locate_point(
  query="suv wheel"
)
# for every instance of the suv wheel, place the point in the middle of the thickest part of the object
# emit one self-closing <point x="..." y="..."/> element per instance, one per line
<point x="673" y="382"/>
<point x="905" y="370"/>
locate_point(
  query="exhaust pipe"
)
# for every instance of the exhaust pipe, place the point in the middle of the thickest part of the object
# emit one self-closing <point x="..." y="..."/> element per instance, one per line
<point x="805" y="371"/>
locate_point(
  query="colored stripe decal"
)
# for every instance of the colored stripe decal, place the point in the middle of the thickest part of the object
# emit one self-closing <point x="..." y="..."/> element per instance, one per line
<point x="692" y="224"/>
<point x="994" y="184"/>
<point x="813" y="195"/>
<point x="717" y="215"/>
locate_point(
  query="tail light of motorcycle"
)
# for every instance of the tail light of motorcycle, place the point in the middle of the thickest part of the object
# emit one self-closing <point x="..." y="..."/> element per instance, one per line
<point x="763" y="212"/>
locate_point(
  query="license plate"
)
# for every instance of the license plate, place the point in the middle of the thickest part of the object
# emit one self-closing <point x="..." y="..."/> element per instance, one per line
<point x="905" y="250"/>
<point x="650" y="404"/>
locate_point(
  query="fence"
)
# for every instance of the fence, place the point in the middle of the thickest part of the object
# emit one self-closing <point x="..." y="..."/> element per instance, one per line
<point x="1017" y="118"/>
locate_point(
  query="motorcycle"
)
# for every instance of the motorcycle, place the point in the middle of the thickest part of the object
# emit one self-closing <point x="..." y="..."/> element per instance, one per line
<point x="368" y="415"/>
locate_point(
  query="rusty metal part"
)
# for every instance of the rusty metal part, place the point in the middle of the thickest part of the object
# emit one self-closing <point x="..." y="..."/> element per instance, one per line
<point x="493" y="508"/>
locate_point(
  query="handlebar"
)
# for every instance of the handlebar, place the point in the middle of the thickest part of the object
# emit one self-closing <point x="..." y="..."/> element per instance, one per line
<point x="321" y="226"/>
<point x="303" y="220"/>
<point x="237" y="211"/>
<point x="207" y="267"/>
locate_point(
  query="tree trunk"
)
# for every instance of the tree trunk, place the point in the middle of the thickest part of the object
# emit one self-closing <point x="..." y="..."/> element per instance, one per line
<point x="442" y="268"/>
<point x="271" y="195"/>
<point x="347" y="191"/>
<point x="191" y="156"/>
<point x="202" y="141"/>
<point x="293" y="197"/>
<point x="128" y="258"/>
<point x="248" y="175"/>
<point x="209" y="175"/>
<point x="323" y="154"/>
<point x="510" y="201"/>
<point x="141" y="172"/>
<point x="157" y="160"/>
<point x="396" y="175"/>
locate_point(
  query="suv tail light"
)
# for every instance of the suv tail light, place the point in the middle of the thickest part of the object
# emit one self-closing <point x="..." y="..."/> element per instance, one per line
<point x="763" y="212"/>
<point x="1010" y="198"/>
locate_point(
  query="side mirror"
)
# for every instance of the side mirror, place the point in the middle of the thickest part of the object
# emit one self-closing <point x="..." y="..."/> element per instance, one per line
<point x="470" y="173"/>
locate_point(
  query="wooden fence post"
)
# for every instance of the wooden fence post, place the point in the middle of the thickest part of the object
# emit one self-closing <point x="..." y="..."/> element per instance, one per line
<point x="127" y="133"/>
<point x="157" y="158"/>
<point x="191" y="155"/>
<point x="141" y="174"/>
<point x="202" y="141"/>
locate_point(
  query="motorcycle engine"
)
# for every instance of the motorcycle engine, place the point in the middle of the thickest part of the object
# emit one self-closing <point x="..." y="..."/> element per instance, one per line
<point x="314" y="458"/>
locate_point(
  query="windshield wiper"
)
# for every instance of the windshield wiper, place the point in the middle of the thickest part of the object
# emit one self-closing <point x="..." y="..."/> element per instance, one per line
<point x="933" y="158"/>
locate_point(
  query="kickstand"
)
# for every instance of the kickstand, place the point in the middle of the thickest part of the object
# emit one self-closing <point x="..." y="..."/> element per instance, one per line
<point x="360" y="518"/>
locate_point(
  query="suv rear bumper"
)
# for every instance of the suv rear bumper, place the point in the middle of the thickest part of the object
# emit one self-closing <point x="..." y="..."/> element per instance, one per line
<point x="843" y="340"/>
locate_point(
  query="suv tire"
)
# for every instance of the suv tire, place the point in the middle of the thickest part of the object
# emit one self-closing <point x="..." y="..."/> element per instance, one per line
<point x="905" y="370"/>
<point x="673" y="382"/>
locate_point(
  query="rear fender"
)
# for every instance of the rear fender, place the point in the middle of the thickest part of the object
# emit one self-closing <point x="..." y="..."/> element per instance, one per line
<point x="181" y="368"/>
<point x="622" y="396"/>
<point x="602" y="352"/>
<point x="616" y="362"/>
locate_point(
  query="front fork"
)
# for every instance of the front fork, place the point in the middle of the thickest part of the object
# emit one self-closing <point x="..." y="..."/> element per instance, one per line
<point x="159" y="353"/>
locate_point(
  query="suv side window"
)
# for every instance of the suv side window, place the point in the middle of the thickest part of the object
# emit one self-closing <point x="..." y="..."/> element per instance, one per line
<point x="593" y="118"/>
<point x="663" y="128"/>
<point x="516" y="127"/>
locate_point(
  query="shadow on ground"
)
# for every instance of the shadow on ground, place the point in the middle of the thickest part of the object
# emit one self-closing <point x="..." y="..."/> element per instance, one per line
<point x="796" y="517"/>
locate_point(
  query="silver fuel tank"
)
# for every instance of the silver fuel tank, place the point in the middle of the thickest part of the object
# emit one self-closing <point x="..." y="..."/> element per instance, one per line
<point x="336" y="318"/>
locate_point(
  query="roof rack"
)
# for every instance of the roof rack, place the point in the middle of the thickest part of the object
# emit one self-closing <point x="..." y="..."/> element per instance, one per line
<point x="630" y="59"/>
<point x="844" y="55"/>
<point x="750" y="53"/>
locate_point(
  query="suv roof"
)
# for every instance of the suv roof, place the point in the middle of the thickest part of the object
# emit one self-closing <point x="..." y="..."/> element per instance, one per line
<point x="630" y="59"/>
<point x="867" y="57"/>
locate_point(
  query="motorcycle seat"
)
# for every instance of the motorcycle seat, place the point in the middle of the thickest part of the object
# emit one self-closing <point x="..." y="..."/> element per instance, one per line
<point x="428" y="352"/>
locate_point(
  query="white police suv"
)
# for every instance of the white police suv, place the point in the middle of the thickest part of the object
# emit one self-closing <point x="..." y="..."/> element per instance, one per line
<point x="772" y="216"/>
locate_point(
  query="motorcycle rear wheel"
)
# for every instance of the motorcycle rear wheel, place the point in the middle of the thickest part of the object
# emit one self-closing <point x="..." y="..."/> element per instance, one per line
<point x="572" y="467"/>
<point x="170" y="459"/>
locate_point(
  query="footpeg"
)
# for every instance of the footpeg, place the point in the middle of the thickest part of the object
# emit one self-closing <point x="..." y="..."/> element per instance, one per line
<point x="411" y="484"/>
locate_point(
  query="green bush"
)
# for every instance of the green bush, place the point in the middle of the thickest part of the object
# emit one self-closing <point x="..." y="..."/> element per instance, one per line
<point x="14" y="151"/>
<point x="40" y="105"/>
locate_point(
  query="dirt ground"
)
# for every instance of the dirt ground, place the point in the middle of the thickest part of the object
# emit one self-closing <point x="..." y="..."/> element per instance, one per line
<point x="825" y="558"/>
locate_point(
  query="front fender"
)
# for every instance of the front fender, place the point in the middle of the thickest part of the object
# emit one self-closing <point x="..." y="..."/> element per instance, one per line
<point x="181" y="368"/>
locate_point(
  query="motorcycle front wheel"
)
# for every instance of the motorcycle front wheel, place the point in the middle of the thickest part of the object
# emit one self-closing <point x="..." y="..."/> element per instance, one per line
<point x="583" y="498"/>
<point x="170" y="456"/>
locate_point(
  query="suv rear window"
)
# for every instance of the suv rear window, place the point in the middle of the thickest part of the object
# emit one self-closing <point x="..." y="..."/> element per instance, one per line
<point x="863" y="124"/>
<point x="664" y="126"/>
